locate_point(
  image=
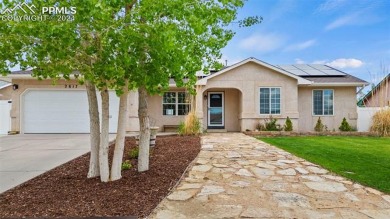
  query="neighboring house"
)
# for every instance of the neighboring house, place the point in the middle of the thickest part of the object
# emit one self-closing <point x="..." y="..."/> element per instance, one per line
<point x="235" y="98"/>
<point x="5" y="90"/>
<point x="379" y="96"/>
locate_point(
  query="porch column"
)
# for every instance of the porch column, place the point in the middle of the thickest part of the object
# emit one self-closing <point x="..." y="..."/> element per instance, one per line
<point x="199" y="104"/>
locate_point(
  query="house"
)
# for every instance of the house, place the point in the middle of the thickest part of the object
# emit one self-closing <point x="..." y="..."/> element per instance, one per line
<point x="235" y="98"/>
<point x="5" y="90"/>
<point x="379" y="96"/>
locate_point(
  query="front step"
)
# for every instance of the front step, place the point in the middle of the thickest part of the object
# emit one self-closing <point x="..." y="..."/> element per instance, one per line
<point x="216" y="130"/>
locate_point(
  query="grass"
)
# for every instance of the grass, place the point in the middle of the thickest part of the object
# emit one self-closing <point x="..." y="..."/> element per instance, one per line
<point x="362" y="159"/>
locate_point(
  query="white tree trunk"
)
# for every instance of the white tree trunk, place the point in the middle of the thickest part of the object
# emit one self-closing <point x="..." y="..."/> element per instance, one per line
<point x="104" y="139"/>
<point x="94" y="128"/>
<point x="120" y="136"/>
<point x="144" y="138"/>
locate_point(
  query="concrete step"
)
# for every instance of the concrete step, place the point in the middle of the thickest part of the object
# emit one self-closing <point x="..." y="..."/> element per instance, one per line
<point x="216" y="130"/>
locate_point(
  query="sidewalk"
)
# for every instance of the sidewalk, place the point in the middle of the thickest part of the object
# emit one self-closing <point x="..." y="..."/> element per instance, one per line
<point x="237" y="176"/>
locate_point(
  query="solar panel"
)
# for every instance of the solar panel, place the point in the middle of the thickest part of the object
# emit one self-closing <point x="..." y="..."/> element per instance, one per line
<point x="315" y="72"/>
<point x="333" y="72"/>
<point x="320" y="67"/>
<point x="287" y="67"/>
<point x="303" y="66"/>
<point x="298" y="72"/>
<point x="311" y="70"/>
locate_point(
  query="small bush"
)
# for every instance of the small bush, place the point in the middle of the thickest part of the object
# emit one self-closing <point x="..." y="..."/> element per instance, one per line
<point x="126" y="165"/>
<point x="345" y="127"/>
<point x="190" y="126"/>
<point x="271" y="125"/>
<point x="260" y="127"/>
<point x="381" y="122"/>
<point x="133" y="153"/>
<point x="319" y="126"/>
<point x="288" y="126"/>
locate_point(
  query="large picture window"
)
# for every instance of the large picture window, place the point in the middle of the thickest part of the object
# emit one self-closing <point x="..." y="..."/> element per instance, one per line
<point x="176" y="103"/>
<point x="322" y="102"/>
<point x="269" y="100"/>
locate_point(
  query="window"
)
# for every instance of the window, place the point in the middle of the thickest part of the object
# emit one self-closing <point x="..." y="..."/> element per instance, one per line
<point x="269" y="100"/>
<point x="322" y="102"/>
<point x="176" y="103"/>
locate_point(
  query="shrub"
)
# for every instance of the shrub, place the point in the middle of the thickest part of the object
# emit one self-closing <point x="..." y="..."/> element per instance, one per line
<point x="345" y="127"/>
<point x="319" y="126"/>
<point x="126" y="165"/>
<point x="271" y="125"/>
<point x="288" y="126"/>
<point x="190" y="126"/>
<point x="381" y="122"/>
<point x="133" y="153"/>
<point x="260" y="126"/>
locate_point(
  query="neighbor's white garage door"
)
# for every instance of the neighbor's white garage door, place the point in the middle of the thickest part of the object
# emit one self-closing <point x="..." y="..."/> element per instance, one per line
<point x="61" y="111"/>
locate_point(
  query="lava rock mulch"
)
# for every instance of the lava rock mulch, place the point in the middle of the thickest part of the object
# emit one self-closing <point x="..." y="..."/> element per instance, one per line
<point x="66" y="192"/>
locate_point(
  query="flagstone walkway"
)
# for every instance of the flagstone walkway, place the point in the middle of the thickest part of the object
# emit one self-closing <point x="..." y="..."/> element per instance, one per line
<point x="237" y="176"/>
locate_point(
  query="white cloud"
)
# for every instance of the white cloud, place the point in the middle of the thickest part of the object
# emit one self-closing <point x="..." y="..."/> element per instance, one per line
<point x="299" y="61"/>
<point x="345" y="63"/>
<point x="331" y="5"/>
<point x="301" y="46"/>
<point x="262" y="42"/>
<point x="343" y="21"/>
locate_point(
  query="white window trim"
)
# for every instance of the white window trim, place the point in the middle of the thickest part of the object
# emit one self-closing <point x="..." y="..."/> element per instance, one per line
<point x="176" y="103"/>
<point x="263" y="114"/>
<point x="323" y="105"/>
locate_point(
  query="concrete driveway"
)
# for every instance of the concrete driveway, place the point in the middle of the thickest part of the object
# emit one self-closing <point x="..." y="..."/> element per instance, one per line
<point x="23" y="157"/>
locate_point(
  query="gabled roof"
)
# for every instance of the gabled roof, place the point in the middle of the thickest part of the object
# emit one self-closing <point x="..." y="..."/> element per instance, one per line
<point x="301" y="80"/>
<point x="372" y="91"/>
<point x="4" y="84"/>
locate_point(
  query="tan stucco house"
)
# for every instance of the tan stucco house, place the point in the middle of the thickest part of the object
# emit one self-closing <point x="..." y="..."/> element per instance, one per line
<point x="379" y="96"/>
<point x="235" y="98"/>
<point x="5" y="90"/>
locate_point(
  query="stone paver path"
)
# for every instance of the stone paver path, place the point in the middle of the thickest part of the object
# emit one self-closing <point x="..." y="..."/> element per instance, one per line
<point x="237" y="176"/>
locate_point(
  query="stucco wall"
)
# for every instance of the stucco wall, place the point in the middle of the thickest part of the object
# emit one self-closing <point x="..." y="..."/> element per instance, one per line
<point x="6" y="93"/>
<point x="156" y="112"/>
<point x="248" y="79"/>
<point x="344" y="106"/>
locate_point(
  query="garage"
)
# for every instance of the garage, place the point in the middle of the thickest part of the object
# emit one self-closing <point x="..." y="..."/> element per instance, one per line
<point x="61" y="111"/>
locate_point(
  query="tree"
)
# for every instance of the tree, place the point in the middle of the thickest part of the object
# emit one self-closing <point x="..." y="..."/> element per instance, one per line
<point x="55" y="49"/>
<point x="140" y="47"/>
<point x="173" y="40"/>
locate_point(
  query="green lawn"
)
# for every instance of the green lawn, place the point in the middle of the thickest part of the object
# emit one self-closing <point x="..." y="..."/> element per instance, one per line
<point x="362" y="159"/>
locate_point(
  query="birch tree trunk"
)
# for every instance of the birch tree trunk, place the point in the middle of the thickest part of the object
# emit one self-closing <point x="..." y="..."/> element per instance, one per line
<point x="144" y="138"/>
<point x="120" y="136"/>
<point x="94" y="128"/>
<point x="104" y="140"/>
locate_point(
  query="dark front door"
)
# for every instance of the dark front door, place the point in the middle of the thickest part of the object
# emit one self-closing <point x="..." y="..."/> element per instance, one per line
<point x="215" y="114"/>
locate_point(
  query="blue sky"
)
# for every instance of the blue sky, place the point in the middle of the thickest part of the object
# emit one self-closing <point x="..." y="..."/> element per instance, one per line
<point x="351" y="35"/>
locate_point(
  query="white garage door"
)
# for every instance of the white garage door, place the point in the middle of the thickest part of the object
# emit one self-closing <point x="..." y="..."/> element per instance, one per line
<point x="61" y="111"/>
<point x="5" y="118"/>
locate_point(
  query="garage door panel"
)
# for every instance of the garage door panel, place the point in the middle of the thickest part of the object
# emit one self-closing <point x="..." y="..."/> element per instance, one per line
<point x="61" y="111"/>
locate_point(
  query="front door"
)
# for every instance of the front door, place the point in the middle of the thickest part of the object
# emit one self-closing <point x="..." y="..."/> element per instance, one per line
<point x="216" y="117"/>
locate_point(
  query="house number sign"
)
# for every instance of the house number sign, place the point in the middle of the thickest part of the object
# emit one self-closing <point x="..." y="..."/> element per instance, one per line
<point x="70" y="85"/>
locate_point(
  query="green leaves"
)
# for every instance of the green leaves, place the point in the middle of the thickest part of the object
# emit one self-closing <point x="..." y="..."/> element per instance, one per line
<point x="148" y="43"/>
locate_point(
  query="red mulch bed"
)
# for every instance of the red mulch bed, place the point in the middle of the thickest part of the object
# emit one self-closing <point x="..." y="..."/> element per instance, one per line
<point x="66" y="192"/>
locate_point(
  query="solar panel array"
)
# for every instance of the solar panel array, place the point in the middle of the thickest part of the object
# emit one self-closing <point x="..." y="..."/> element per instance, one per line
<point x="311" y="70"/>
